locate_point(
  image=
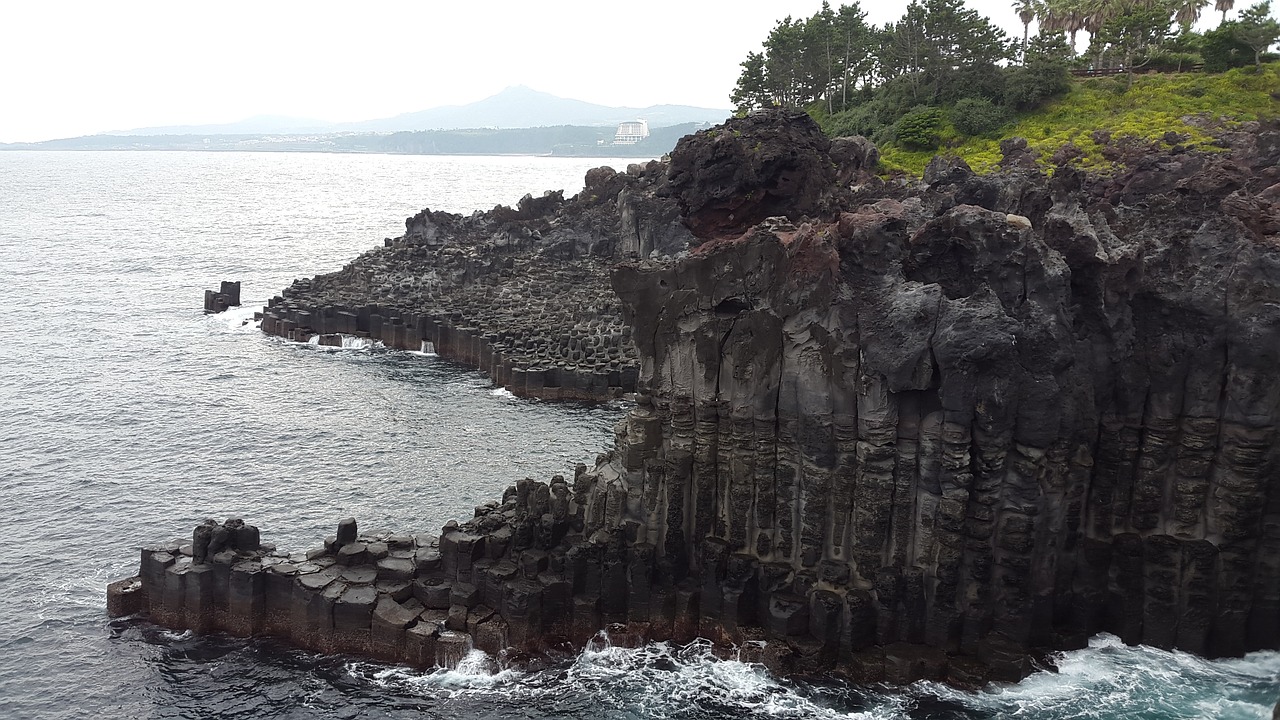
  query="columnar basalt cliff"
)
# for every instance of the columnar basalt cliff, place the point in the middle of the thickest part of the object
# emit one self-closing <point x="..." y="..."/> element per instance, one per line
<point x="519" y="293"/>
<point x="896" y="430"/>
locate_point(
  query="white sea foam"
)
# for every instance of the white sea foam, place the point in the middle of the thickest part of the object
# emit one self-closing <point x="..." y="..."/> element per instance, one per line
<point x="237" y="319"/>
<point x="502" y="393"/>
<point x="349" y="342"/>
<point x="659" y="680"/>
<point x="1109" y="679"/>
<point x="478" y="672"/>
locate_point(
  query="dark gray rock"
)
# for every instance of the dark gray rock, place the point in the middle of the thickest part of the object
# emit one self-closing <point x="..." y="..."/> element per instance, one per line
<point x="346" y="532"/>
<point x="935" y="432"/>
<point x="769" y="163"/>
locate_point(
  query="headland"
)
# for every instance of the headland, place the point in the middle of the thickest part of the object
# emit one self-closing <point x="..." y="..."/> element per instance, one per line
<point x="892" y="429"/>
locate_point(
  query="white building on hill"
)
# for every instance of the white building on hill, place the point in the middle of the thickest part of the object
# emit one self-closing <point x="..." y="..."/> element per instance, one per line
<point x="630" y="133"/>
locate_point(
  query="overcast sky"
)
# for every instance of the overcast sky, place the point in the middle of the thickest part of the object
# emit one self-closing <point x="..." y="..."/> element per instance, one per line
<point x="77" y="68"/>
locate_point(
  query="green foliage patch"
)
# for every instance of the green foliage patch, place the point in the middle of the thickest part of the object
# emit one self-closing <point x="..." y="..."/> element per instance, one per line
<point x="1154" y="105"/>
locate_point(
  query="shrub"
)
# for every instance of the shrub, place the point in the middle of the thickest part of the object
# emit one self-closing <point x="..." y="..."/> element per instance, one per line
<point x="974" y="116"/>
<point x="920" y="128"/>
<point x="1222" y="51"/>
<point x="861" y="119"/>
<point x="1029" y="87"/>
<point x="972" y="81"/>
<point x="1173" y="61"/>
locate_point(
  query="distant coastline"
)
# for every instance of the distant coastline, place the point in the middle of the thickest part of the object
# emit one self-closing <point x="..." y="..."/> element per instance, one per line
<point x="516" y="121"/>
<point x="557" y="141"/>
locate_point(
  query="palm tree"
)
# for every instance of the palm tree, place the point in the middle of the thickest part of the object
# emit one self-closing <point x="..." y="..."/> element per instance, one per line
<point x="1188" y="11"/>
<point x="1223" y="6"/>
<point x="1064" y="16"/>
<point x="1026" y="10"/>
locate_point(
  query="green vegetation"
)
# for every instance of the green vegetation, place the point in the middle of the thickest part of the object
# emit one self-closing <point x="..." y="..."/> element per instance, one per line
<point x="944" y="78"/>
<point x="1152" y="106"/>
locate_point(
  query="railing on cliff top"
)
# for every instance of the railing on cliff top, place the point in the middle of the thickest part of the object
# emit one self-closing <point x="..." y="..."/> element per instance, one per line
<point x="1105" y="72"/>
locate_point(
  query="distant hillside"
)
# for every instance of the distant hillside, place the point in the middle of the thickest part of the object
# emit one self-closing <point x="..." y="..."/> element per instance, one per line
<point x="515" y="107"/>
<point x="257" y="125"/>
<point x="522" y="107"/>
<point x="1094" y="109"/>
<point x="573" y="140"/>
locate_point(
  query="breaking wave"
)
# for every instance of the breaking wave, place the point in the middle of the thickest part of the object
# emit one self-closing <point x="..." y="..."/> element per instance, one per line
<point x="1108" y="680"/>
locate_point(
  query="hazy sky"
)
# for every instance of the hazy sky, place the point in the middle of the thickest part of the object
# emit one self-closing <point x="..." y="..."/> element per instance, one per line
<point x="77" y="68"/>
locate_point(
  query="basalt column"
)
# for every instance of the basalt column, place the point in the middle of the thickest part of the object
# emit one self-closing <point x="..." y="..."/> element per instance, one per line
<point x="926" y="457"/>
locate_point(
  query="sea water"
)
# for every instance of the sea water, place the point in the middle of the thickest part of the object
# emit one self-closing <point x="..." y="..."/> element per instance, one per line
<point x="127" y="416"/>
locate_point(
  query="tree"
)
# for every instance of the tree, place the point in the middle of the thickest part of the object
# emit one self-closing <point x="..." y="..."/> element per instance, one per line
<point x="1027" y="11"/>
<point x="936" y="38"/>
<point x="1182" y="49"/>
<point x="1257" y="30"/>
<point x="1044" y="75"/>
<point x="751" y="91"/>
<point x="858" y="78"/>
<point x="1223" y="6"/>
<point x="904" y="50"/>
<point x="1133" y="32"/>
<point x="782" y="65"/>
<point x="805" y="61"/>
<point x="1221" y="50"/>
<point x="819" y="58"/>
<point x="1188" y="12"/>
<point x="856" y="35"/>
<point x="1067" y="16"/>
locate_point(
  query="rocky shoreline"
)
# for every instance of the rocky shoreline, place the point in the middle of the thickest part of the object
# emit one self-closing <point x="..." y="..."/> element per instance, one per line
<point x="521" y="294"/>
<point x="890" y="429"/>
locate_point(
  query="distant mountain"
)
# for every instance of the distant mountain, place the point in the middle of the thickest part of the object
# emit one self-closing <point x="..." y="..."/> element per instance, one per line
<point x="515" y="107"/>
<point x="522" y="107"/>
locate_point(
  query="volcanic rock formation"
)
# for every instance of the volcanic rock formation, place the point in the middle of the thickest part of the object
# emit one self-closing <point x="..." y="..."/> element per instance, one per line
<point x="931" y="430"/>
<point x="520" y="293"/>
<point x="227" y="296"/>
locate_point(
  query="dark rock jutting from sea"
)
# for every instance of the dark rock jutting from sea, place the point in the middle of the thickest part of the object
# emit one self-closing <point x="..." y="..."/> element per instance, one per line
<point x="519" y="293"/>
<point x="894" y="430"/>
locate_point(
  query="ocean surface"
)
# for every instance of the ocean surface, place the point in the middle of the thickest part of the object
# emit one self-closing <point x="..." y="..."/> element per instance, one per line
<point x="127" y="416"/>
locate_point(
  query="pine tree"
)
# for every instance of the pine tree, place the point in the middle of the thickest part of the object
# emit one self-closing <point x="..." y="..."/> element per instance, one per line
<point x="1258" y="30"/>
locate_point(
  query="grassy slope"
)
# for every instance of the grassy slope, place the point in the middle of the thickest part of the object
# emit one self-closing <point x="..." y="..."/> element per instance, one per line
<point x="1154" y="105"/>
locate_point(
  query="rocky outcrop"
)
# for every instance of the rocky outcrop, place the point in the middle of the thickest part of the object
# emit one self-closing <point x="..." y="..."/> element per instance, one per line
<point x="772" y="162"/>
<point x="227" y="296"/>
<point x="934" y="430"/>
<point x="992" y="417"/>
<point x="520" y="293"/>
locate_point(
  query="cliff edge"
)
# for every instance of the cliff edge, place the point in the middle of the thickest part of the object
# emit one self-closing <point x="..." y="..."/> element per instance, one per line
<point x="897" y="430"/>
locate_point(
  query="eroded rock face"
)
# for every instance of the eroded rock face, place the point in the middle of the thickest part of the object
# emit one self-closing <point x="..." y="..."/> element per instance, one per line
<point x="933" y="432"/>
<point x="984" y="430"/>
<point x="771" y="162"/>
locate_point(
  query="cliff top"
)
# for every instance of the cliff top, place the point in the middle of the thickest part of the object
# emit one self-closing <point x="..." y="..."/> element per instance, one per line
<point x="1165" y="110"/>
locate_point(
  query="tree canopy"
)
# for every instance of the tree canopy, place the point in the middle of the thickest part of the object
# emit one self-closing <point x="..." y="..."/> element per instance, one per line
<point x="944" y="64"/>
<point x="834" y="55"/>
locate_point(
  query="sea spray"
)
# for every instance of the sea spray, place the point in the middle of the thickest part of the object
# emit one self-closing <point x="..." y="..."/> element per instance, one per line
<point x="1106" y="681"/>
